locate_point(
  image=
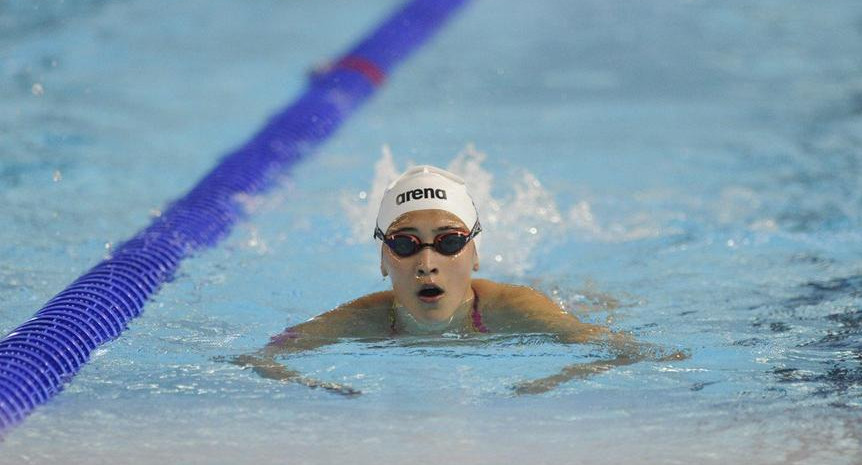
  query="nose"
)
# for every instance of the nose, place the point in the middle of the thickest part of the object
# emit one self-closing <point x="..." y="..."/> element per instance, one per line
<point x="426" y="263"/>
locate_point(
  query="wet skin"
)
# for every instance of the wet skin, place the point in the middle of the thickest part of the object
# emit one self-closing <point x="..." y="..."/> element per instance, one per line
<point x="428" y="270"/>
<point x="505" y="309"/>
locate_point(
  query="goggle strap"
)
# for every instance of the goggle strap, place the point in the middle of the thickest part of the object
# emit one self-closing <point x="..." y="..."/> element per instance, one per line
<point x="418" y="245"/>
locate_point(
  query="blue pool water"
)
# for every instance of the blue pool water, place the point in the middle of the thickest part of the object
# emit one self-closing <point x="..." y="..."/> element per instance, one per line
<point x="685" y="171"/>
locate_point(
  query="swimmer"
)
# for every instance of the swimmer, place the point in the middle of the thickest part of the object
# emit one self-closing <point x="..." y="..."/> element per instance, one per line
<point x="429" y="230"/>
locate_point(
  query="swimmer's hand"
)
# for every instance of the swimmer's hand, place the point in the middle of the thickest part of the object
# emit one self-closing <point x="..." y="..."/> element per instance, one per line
<point x="267" y="367"/>
<point x="577" y="371"/>
<point x="585" y="370"/>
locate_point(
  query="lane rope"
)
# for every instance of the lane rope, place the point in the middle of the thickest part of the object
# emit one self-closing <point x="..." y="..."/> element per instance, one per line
<point x="38" y="357"/>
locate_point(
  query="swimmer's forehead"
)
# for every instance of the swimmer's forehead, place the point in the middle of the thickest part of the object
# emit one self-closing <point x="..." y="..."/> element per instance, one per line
<point x="437" y="220"/>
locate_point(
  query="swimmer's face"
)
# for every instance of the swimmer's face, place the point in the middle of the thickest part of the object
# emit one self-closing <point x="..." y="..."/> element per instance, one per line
<point x="417" y="280"/>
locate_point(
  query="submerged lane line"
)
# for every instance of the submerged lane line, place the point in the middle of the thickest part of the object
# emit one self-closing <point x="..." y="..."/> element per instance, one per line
<point x="46" y="351"/>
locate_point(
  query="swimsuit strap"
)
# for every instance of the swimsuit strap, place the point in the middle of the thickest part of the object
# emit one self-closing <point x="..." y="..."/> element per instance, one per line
<point x="475" y="316"/>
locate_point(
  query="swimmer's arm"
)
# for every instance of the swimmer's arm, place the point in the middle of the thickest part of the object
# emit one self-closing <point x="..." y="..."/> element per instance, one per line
<point x="539" y="314"/>
<point x="269" y="368"/>
<point x="297" y="339"/>
<point x="318" y="332"/>
<point x="626" y="351"/>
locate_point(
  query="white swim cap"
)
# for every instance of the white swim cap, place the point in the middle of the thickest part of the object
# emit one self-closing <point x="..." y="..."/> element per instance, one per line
<point x="426" y="187"/>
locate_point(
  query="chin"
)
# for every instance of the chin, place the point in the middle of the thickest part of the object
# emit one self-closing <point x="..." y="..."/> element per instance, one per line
<point x="435" y="314"/>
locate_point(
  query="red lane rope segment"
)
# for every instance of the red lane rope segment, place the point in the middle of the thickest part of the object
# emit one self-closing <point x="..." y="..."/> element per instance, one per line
<point x="364" y="67"/>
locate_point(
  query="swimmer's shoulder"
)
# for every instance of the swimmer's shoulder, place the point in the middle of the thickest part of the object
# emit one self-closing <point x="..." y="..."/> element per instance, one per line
<point x="522" y="309"/>
<point x="504" y="298"/>
<point x="363" y="317"/>
<point x="368" y="304"/>
<point x="510" y="307"/>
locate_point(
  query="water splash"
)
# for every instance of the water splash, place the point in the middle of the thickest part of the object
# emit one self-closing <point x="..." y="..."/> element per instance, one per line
<point x="513" y="225"/>
<point x="584" y="224"/>
<point x="361" y="208"/>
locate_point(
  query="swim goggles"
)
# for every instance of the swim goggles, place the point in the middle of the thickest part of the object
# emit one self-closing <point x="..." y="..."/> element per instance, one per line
<point x="450" y="243"/>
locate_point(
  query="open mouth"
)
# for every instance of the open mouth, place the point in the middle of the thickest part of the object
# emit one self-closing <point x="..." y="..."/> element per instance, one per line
<point x="430" y="292"/>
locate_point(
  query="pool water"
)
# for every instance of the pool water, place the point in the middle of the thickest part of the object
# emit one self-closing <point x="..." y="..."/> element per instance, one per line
<point x="688" y="171"/>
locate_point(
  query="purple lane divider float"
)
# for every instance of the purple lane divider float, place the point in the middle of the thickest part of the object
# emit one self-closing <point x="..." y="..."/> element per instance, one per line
<point x="40" y="356"/>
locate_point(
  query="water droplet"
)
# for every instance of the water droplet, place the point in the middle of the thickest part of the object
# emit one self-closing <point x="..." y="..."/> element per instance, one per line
<point x="533" y="230"/>
<point x="37" y="90"/>
<point x="363" y="195"/>
<point x="57" y="176"/>
<point x="498" y="258"/>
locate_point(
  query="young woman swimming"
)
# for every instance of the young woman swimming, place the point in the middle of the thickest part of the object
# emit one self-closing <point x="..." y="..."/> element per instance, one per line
<point x="429" y="228"/>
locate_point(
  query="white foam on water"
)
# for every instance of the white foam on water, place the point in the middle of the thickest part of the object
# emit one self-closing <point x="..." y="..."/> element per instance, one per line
<point x="517" y="213"/>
